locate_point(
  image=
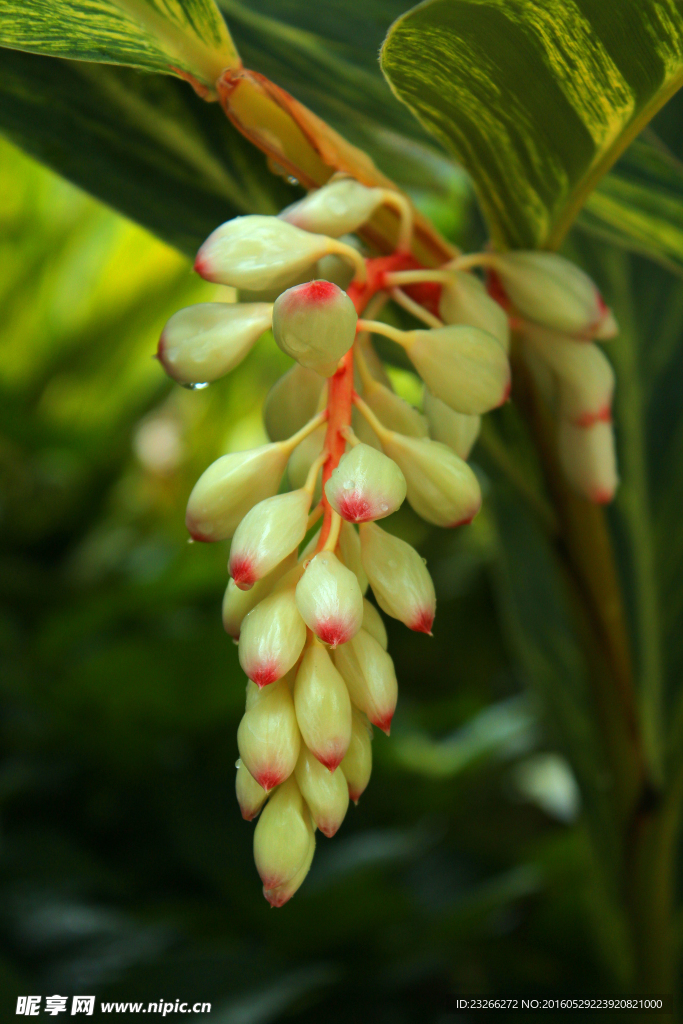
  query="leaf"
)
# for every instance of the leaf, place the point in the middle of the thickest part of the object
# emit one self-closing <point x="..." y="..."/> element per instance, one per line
<point x="537" y="98"/>
<point x="144" y="144"/>
<point x="186" y="37"/>
<point x="639" y="205"/>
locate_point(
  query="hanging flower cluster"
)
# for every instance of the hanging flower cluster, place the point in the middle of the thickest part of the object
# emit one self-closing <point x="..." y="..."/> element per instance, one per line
<point x="313" y="647"/>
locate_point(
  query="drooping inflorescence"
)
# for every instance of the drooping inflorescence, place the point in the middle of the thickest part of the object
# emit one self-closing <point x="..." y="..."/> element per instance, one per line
<point x="312" y="645"/>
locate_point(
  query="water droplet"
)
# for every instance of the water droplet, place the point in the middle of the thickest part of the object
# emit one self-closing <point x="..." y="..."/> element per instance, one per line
<point x="384" y="507"/>
<point x="196" y="387"/>
<point x="291" y="180"/>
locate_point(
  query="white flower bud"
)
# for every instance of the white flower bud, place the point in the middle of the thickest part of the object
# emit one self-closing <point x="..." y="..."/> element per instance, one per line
<point x="230" y="486"/>
<point x="374" y="624"/>
<point x="357" y="765"/>
<point x="368" y="672"/>
<point x="238" y="603"/>
<point x="588" y="458"/>
<point x="250" y="796"/>
<point x="268" y="737"/>
<point x="398" y="577"/>
<point x="303" y="457"/>
<point x="315" y="323"/>
<point x="258" y="253"/>
<point x="463" y="366"/>
<point x="441" y="487"/>
<point x="272" y="637"/>
<point x="325" y="792"/>
<point x="278" y="896"/>
<point x="292" y="402"/>
<point x="584" y="376"/>
<point x="203" y="342"/>
<point x="349" y="549"/>
<point x="455" y="429"/>
<point x="365" y="485"/>
<point x="323" y="708"/>
<point x="282" y="837"/>
<point x="552" y="291"/>
<point x="338" y="208"/>
<point x="464" y="300"/>
<point x="266" y="535"/>
<point x="329" y="599"/>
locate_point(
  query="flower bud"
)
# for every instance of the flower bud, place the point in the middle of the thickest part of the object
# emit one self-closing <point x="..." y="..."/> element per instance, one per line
<point x="465" y="367"/>
<point x="455" y="429"/>
<point x="323" y="708"/>
<point x="282" y="837"/>
<point x="325" y="792"/>
<point x="303" y="457"/>
<point x="278" y="896"/>
<point x="250" y="796"/>
<point x="204" y="342"/>
<point x="373" y="624"/>
<point x="272" y="637"/>
<point x="349" y="549"/>
<point x="338" y="208"/>
<point x="584" y="376"/>
<point x="266" y="535"/>
<point x="588" y="458"/>
<point x="258" y="253"/>
<point x="394" y="412"/>
<point x="441" y="487"/>
<point x="464" y="300"/>
<point x="368" y="672"/>
<point x="329" y="599"/>
<point x="238" y="603"/>
<point x="357" y="765"/>
<point x="292" y="402"/>
<point x="552" y="291"/>
<point x="315" y="323"/>
<point x="398" y="577"/>
<point x="268" y="737"/>
<point x="365" y="485"/>
<point x="230" y="486"/>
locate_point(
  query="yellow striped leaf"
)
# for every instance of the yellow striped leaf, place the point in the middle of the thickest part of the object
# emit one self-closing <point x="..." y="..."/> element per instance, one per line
<point x="537" y="98"/>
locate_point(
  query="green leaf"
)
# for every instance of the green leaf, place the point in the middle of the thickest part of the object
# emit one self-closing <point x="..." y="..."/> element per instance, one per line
<point x="537" y="98"/>
<point x="639" y="205"/>
<point x="171" y="36"/>
<point x="145" y="144"/>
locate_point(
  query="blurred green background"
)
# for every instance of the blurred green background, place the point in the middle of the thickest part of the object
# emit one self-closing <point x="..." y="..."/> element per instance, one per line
<point x="125" y="868"/>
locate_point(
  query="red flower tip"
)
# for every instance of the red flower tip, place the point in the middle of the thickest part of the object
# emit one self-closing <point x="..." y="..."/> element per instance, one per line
<point x="355" y="795"/>
<point x="355" y="508"/>
<point x="601" y="496"/>
<point x="603" y="415"/>
<point x="383" y="723"/>
<point x="276" y="898"/>
<point x="243" y="573"/>
<point x="268" y="779"/>
<point x="332" y="632"/>
<point x="198" y="535"/>
<point x="423" y="622"/>
<point x="331" y="760"/>
<point x="201" y="265"/>
<point x="248" y="815"/>
<point x="328" y="830"/>
<point x="506" y="393"/>
<point x="263" y="675"/>
<point x="463" y="522"/>
<point x="317" y="292"/>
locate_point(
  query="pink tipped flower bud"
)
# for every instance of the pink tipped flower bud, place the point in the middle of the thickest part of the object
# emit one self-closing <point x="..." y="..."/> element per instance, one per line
<point x="266" y="535"/>
<point x="349" y="549"/>
<point x="588" y="459"/>
<point x="230" y="486"/>
<point x="365" y="485"/>
<point x="258" y="253"/>
<point x="292" y="402"/>
<point x="250" y="796"/>
<point x="280" y="895"/>
<point x="203" y="342"/>
<point x="373" y="624"/>
<point x="398" y="577"/>
<point x="463" y="366"/>
<point x="282" y="837"/>
<point x="323" y="708"/>
<point x="325" y="792"/>
<point x="550" y="290"/>
<point x="455" y="429"/>
<point x="238" y="603"/>
<point x="369" y="674"/>
<point x="357" y="765"/>
<point x="464" y="300"/>
<point x="272" y="637"/>
<point x="268" y="737"/>
<point x="441" y="487"/>
<point x="338" y="208"/>
<point x="584" y="376"/>
<point x="329" y="599"/>
<point x="315" y="323"/>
